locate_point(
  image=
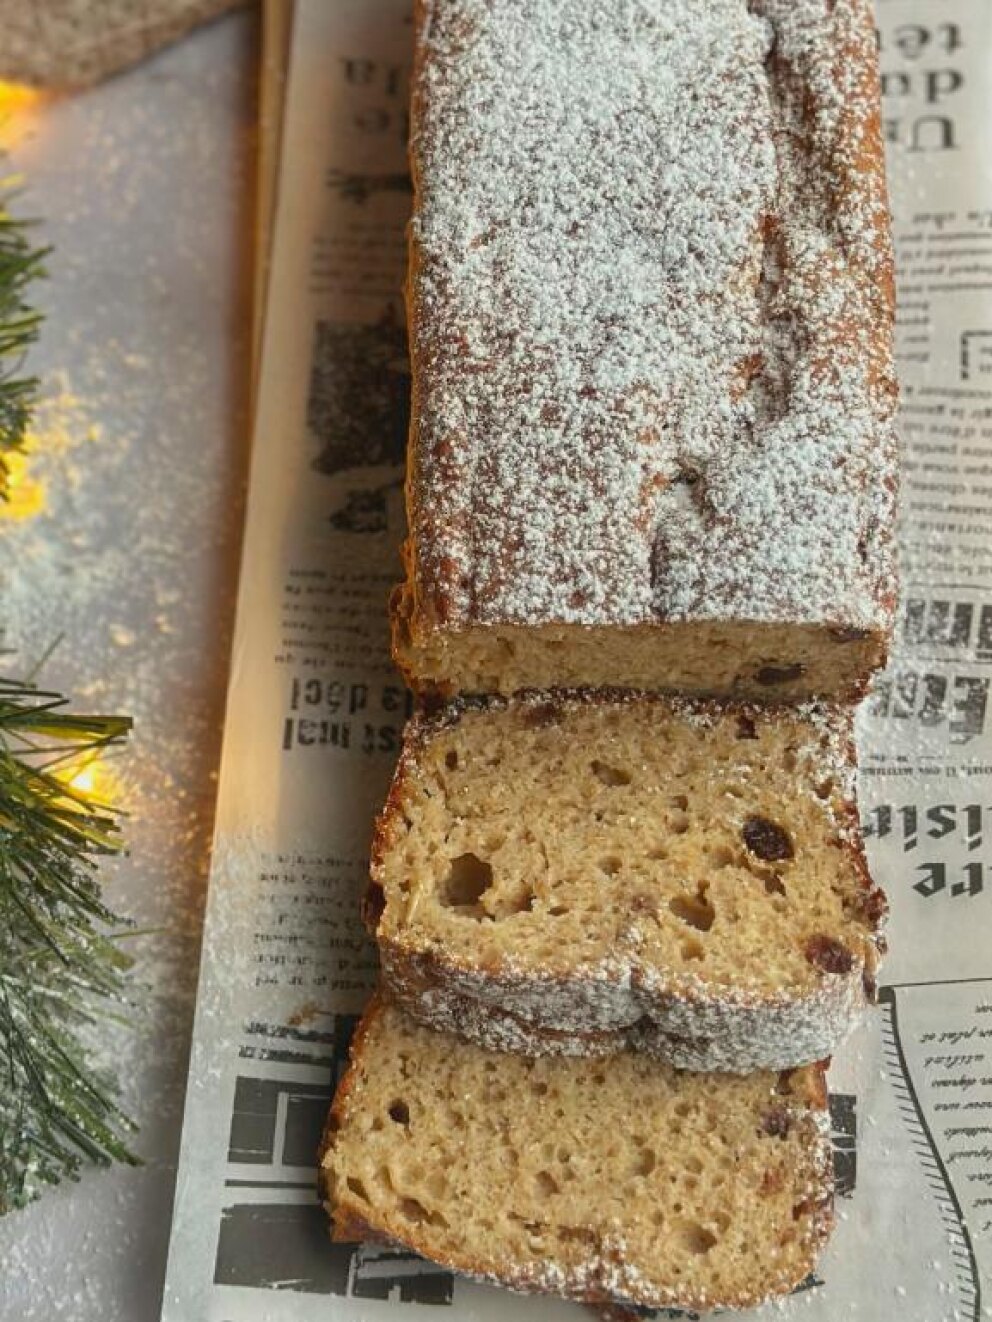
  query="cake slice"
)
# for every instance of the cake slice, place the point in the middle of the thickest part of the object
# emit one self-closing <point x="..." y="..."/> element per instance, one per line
<point x="651" y="300"/>
<point x="624" y="1181"/>
<point x="570" y="872"/>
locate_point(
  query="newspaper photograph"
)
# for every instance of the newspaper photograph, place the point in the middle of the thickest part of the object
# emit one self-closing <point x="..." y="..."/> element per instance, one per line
<point x="316" y="711"/>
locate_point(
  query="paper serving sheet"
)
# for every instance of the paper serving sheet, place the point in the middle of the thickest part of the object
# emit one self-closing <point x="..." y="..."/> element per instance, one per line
<point x="315" y="713"/>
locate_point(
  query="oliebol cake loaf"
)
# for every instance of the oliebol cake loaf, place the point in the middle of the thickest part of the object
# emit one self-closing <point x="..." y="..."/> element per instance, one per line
<point x="569" y="872"/>
<point x="632" y="1183"/>
<point x="650" y="303"/>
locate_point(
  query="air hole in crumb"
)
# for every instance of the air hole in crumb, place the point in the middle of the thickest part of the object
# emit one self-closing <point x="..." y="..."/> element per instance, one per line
<point x="695" y="1238"/>
<point x="722" y="857"/>
<point x="681" y="802"/>
<point x="784" y="1084"/>
<point x="692" y="950"/>
<point x="692" y="1163"/>
<point x="612" y="776"/>
<point x="522" y="903"/>
<point x="781" y="674"/>
<point x="825" y="788"/>
<point x="539" y="1088"/>
<point x="774" y="885"/>
<point x="646" y="1162"/>
<point x="658" y="854"/>
<point x="694" y="910"/>
<point x="546" y="1184"/>
<point x="400" y="1112"/>
<point x="789" y="759"/>
<point x="468" y="880"/>
<point x="558" y="910"/>
<point x="412" y="1209"/>
<point x="358" y="1188"/>
<point x="610" y="865"/>
<point x="679" y="824"/>
<point x="451" y="760"/>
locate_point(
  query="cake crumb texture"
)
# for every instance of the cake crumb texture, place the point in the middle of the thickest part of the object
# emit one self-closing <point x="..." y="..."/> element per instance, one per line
<point x="629" y="1181"/>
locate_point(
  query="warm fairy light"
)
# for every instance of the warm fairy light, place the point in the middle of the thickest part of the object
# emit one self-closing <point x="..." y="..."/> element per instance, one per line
<point x="25" y="493"/>
<point x="18" y="96"/>
<point x="94" y="778"/>
<point x="60" y="425"/>
<point x="85" y="779"/>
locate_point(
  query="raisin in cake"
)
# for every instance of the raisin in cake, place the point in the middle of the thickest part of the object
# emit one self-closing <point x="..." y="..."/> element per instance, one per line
<point x="630" y="1182"/>
<point x="566" y="872"/>
<point x="651" y="299"/>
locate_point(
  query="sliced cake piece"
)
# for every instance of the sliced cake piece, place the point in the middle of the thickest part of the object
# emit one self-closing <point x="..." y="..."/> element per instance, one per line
<point x="622" y="1180"/>
<point x="562" y="872"/>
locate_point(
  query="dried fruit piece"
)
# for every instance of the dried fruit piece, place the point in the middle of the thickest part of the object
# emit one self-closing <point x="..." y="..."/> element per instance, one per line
<point x="829" y="954"/>
<point x="874" y="906"/>
<point x="776" y="1122"/>
<point x="545" y="714"/>
<point x="767" y="840"/>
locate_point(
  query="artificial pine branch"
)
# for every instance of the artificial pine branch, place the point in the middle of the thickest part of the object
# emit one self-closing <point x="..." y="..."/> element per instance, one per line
<point x="21" y="262"/>
<point x="60" y="969"/>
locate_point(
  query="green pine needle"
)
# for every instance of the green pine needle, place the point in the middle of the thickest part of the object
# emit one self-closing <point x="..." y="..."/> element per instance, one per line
<point x="21" y="262"/>
<point x="60" y="969"/>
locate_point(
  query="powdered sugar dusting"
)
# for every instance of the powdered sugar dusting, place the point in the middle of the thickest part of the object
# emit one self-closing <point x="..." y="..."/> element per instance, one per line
<point x="735" y="1036"/>
<point x="650" y="300"/>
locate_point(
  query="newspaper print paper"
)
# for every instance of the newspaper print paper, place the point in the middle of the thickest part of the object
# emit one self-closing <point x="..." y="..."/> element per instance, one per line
<point x="315" y="715"/>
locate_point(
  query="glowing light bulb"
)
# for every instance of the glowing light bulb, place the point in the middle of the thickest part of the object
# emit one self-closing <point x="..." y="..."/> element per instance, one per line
<point x="85" y="779"/>
<point x="26" y="494"/>
<point x="18" y="96"/>
<point x="94" y="778"/>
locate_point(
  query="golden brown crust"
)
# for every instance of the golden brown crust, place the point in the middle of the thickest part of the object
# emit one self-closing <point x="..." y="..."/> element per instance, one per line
<point x="471" y="559"/>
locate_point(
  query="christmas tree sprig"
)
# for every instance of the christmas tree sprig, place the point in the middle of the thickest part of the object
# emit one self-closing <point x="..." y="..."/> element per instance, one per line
<point x="21" y="263"/>
<point x="60" y="969"/>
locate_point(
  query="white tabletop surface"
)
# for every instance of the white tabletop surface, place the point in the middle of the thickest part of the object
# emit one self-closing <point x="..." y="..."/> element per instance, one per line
<point x="144" y="187"/>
